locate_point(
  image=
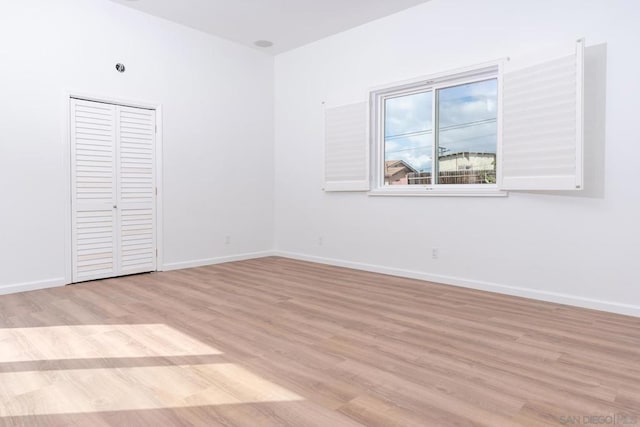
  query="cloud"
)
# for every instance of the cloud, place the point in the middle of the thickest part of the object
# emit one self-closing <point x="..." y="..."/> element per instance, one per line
<point x="408" y="114"/>
<point x="467" y="120"/>
<point x="467" y="103"/>
<point x="415" y="150"/>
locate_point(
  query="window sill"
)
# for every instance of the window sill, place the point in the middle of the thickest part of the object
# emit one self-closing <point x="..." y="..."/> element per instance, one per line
<point x="444" y="192"/>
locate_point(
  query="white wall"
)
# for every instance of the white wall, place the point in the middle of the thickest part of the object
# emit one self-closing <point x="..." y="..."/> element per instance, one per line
<point x="218" y="120"/>
<point x="582" y="249"/>
<point x="217" y="100"/>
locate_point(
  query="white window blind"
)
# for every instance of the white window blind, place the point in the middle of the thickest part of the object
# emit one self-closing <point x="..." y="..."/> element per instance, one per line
<point x="347" y="148"/>
<point x="542" y="137"/>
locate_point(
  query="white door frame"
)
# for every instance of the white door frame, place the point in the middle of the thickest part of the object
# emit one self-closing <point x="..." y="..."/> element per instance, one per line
<point x="68" y="275"/>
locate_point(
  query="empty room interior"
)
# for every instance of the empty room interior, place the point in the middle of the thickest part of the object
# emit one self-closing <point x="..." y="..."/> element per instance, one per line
<point x="319" y="213"/>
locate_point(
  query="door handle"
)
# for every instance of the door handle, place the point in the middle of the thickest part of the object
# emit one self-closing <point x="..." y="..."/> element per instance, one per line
<point x="115" y="206"/>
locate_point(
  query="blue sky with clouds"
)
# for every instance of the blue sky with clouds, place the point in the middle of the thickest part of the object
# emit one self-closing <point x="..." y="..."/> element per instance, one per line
<point x="467" y="116"/>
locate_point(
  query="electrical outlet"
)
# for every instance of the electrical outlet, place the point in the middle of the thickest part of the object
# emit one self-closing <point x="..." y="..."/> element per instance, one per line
<point x="434" y="253"/>
<point x="227" y="240"/>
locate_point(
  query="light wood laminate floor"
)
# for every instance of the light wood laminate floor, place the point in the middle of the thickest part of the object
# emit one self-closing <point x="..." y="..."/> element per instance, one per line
<point x="278" y="342"/>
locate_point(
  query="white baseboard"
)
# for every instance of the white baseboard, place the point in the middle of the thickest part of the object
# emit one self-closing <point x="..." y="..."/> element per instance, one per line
<point x="218" y="260"/>
<point x="52" y="283"/>
<point x="32" y="286"/>
<point x="613" y="307"/>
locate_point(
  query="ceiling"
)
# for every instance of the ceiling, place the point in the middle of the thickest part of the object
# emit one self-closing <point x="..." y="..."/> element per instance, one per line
<point x="286" y="23"/>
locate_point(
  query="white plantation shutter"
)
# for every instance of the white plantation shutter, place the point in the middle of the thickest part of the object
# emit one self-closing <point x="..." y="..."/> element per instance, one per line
<point x="136" y="201"/>
<point x="542" y="139"/>
<point x="113" y="190"/>
<point x="347" y="148"/>
<point x="93" y="136"/>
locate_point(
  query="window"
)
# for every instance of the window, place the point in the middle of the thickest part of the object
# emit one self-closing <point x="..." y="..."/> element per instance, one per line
<point x="438" y="134"/>
<point x="515" y="124"/>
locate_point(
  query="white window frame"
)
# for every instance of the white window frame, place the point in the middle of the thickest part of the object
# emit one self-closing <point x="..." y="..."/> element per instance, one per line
<point x="477" y="73"/>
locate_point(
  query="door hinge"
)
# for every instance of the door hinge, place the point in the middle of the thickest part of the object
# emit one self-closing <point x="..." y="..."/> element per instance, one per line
<point x="156" y="128"/>
<point x="156" y="252"/>
<point x="156" y="191"/>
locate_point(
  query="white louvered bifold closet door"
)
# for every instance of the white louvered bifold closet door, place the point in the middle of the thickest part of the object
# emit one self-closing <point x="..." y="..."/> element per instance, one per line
<point x="113" y="190"/>
<point x="94" y="190"/>
<point x="136" y="195"/>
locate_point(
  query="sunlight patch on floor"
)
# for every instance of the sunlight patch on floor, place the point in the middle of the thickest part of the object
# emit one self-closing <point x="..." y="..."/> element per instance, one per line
<point x="137" y="388"/>
<point x="97" y="341"/>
